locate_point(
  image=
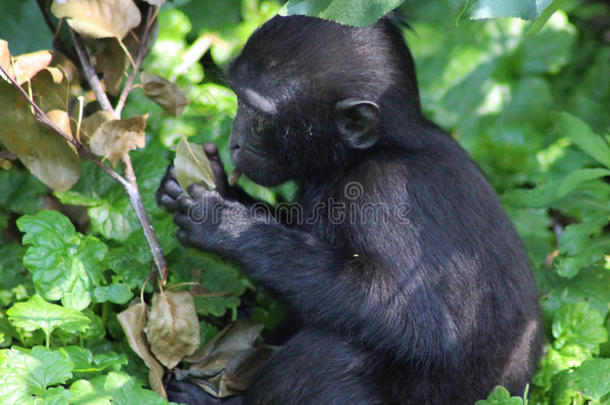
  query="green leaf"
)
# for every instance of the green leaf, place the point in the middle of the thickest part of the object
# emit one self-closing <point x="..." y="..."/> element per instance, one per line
<point x="122" y="389"/>
<point x="573" y="180"/>
<point x="500" y="396"/>
<point x="575" y="237"/>
<point x="545" y="14"/>
<point x="36" y="313"/>
<point x="525" y="9"/>
<point x="590" y="381"/>
<point x="569" y="266"/>
<point x="582" y="135"/>
<point x="24" y="14"/>
<point x="591" y="285"/>
<point x="116" y="293"/>
<point x="359" y="13"/>
<point x="578" y="325"/>
<point x="21" y="192"/>
<point x="594" y="381"/>
<point x="64" y="265"/>
<point x="549" y="50"/>
<point x="90" y="392"/>
<point x="30" y="372"/>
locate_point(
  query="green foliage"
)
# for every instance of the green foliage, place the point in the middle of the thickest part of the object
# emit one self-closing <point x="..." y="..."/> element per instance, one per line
<point x="528" y="100"/>
<point x="500" y="396"/>
<point x="359" y="13"/>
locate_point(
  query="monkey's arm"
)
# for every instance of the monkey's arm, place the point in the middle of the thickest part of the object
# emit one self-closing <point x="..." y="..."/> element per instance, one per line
<point x="354" y="294"/>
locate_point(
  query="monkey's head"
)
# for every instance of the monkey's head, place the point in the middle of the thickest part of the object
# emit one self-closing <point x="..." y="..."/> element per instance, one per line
<point x="314" y="94"/>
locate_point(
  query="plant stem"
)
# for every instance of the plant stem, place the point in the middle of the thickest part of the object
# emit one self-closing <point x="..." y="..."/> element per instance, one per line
<point x="149" y="232"/>
<point x="129" y="83"/>
<point x="91" y="76"/>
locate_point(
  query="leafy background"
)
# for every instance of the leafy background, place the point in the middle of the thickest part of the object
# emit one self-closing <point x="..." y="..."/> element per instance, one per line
<point x="532" y="109"/>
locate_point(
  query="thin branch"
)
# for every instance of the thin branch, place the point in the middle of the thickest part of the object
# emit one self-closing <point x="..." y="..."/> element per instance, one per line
<point x="149" y="232"/>
<point x="91" y="76"/>
<point x="42" y="117"/>
<point x="58" y="43"/>
<point x="129" y="83"/>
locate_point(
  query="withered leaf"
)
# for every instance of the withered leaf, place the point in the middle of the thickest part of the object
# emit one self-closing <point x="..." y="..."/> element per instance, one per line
<point x="111" y="61"/>
<point x="62" y="120"/>
<point x="234" y="177"/>
<point x="27" y="65"/>
<point x="91" y="124"/>
<point x="133" y="321"/>
<point x="99" y="18"/>
<point x="192" y="165"/>
<point x="115" y="138"/>
<point x="225" y="365"/>
<point x="5" y="57"/>
<point x="47" y="155"/>
<point x="50" y="89"/>
<point x="164" y="93"/>
<point x="173" y="327"/>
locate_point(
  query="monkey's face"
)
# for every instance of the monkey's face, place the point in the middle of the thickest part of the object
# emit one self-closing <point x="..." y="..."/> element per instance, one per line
<point x="255" y="147"/>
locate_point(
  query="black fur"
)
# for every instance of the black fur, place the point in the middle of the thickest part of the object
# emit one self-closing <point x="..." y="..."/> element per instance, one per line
<point x="410" y="282"/>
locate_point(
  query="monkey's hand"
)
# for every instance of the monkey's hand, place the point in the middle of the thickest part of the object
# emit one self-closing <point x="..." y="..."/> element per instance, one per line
<point x="210" y="222"/>
<point x="220" y="176"/>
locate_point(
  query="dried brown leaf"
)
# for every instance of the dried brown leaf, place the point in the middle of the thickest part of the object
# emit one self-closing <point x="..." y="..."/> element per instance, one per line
<point x="133" y="321"/>
<point x="91" y="124"/>
<point x="48" y="92"/>
<point x="115" y="138"/>
<point x="226" y="365"/>
<point x="99" y="18"/>
<point x="27" y="65"/>
<point x="192" y="165"/>
<point x="111" y="61"/>
<point x="164" y="93"/>
<point x="173" y="327"/>
<point x="5" y="57"/>
<point x="47" y="155"/>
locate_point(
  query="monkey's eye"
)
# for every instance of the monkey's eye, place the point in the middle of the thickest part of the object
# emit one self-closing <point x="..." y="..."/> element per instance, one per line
<point x="260" y="123"/>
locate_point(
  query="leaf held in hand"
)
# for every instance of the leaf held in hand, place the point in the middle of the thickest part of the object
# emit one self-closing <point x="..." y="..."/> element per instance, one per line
<point x="115" y="138"/>
<point x="164" y="93"/>
<point x="192" y="165"/>
<point x="173" y="327"/>
<point x="234" y="177"/>
<point x="99" y="18"/>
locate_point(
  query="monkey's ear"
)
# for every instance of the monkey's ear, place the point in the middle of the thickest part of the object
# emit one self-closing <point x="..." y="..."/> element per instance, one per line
<point x="358" y="122"/>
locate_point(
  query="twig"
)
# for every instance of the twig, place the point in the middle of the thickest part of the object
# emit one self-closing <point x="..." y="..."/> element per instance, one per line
<point x="57" y="41"/>
<point x="42" y="117"/>
<point x="91" y="76"/>
<point x="149" y="232"/>
<point x="129" y="83"/>
<point x="7" y="155"/>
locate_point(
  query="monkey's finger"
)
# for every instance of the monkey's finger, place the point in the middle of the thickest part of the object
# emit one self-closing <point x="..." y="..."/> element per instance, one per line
<point x="183" y="221"/>
<point x="171" y="187"/>
<point x="220" y="176"/>
<point x="167" y="202"/>
<point x="198" y="191"/>
<point x="185" y="204"/>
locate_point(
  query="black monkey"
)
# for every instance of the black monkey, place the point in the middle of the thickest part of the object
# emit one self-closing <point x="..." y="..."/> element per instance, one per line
<point x="409" y="280"/>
